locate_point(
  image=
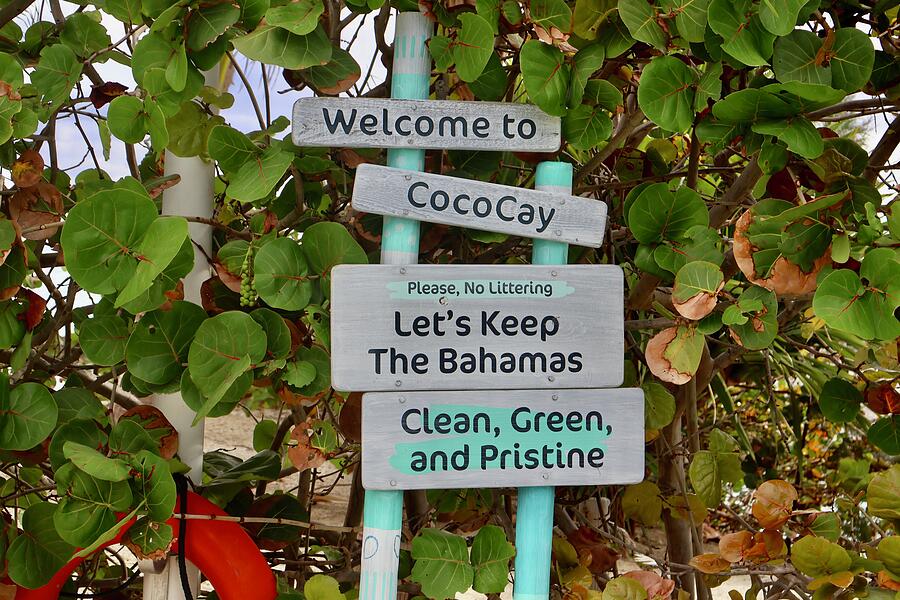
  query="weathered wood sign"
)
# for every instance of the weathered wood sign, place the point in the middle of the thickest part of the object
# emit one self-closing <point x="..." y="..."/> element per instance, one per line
<point x="479" y="205"/>
<point x="423" y="124"/>
<point x="424" y="440"/>
<point x="446" y="327"/>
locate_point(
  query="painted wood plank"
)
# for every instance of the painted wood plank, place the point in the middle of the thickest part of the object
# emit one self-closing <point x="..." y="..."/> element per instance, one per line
<point x="459" y="327"/>
<point x="489" y="439"/>
<point x="479" y="205"/>
<point x="423" y="124"/>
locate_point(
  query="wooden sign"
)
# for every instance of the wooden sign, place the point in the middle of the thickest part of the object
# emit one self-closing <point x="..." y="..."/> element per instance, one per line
<point x="479" y="205"/>
<point x="426" y="440"/>
<point x="423" y="124"/>
<point x="459" y="327"/>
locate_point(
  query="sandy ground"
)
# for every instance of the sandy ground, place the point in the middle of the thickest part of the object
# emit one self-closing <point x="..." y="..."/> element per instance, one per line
<point x="233" y="433"/>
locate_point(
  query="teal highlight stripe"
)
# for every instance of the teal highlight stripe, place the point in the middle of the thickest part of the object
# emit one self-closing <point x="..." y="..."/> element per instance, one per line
<point x="534" y="514"/>
<point x="383" y="509"/>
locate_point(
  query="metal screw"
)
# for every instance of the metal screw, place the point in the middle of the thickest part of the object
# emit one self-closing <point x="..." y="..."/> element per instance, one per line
<point x="555" y="397"/>
<point x="558" y="232"/>
<point x="562" y="202"/>
<point x="403" y="270"/>
<point x="553" y="273"/>
<point x="443" y="300"/>
<point x="407" y="177"/>
<point x="551" y="378"/>
<point x="393" y="483"/>
<point x="402" y="400"/>
<point x="398" y="383"/>
<point x="410" y="142"/>
<point x="544" y="476"/>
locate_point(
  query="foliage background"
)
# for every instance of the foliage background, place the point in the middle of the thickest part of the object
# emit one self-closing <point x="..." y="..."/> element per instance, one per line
<point x="758" y="236"/>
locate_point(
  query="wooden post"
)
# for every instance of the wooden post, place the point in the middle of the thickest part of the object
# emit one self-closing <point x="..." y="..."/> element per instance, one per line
<point x="534" y="513"/>
<point x="383" y="510"/>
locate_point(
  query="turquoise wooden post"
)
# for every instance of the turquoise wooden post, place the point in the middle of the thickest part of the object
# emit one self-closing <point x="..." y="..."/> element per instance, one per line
<point x="534" y="514"/>
<point x="383" y="510"/>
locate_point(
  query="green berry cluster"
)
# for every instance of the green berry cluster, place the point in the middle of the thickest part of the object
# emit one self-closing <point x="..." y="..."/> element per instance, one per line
<point x="248" y="288"/>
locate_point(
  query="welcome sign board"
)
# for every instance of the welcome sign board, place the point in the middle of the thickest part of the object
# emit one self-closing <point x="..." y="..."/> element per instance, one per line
<point x="479" y="205"/>
<point x="423" y="124"/>
<point x="446" y="327"/>
<point x="425" y="440"/>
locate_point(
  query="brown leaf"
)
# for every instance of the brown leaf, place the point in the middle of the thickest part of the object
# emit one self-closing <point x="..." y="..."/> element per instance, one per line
<point x="773" y="504"/>
<point x="103" y="94"/>
<point x="351" y="158"/>
<point x="303" y="456"/>
<point x="785" y="278"/>
<point x="883" y="399"/>
<point x="658" y="363"/>
<point x="7" y="592"/>
<point x="160" y="554"/>
<point x="588" y="543"/>
<point x="732" y="546"/>
<point x="35" y="206"/>
<point x="34" y="309"/>
<point x="658" y="587"/>
<point x="710" y="563"/>
<point x="696" y="307"/>
<point x="351" y="417"/>
<point x="155" y="422"/>
<point x="8" y="91"/>
<point x="767" y="545"/>
<point x="158" y="185"/>
<point x="28" y="169"/>
<point x="885" y="580"/>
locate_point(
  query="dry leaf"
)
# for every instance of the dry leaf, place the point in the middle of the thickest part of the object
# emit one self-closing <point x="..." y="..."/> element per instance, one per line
<point x="34" y="309"/>
<point x="103" y="94"/>
<point x="697" y="306"/>
<point x="152" y="419"/>
<point x="28" y="169"/>
<point x="658" y="587"/>
<point x="658" y="363"/>
<point x="303" y="456"/>
<point x="38" y="205"/>
<point x="350" y="419"/>
<point x="710" y="564"/>
<point x="733" y="546"/>
<point x="590" y="545"/>
<point x="883" y="399"/>
<point x="773" y="504"/>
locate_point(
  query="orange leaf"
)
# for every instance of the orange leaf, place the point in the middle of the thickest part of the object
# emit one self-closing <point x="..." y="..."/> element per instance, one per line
<point x="710" y="563"/>
<point x="733" y="546"/>
<point x="658" y="588"/>
<point x="27" y="169"/>
<point x="773" y="504"/>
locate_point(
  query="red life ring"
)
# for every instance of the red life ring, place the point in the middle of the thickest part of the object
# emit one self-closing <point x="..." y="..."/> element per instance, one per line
<point x="222" y="550"/>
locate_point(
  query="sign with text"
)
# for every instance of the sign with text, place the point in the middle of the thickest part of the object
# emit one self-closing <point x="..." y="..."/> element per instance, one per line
<point x="423" y="124"/>
<point x="479" y="205"/>
<point x="457" y="327"/>
<point x="425" y="440"/>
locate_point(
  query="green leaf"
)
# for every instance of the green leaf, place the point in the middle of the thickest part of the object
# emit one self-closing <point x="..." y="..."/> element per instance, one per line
<point x="150" y="537"/>
<point x="278" y="336"/>
<point x="29" y="418"/>
<point x="796" y="59"/>
<point x="280" y="275"/>
<point x="128" y="437"/>
<point x="588" y="60"/>
<point x="57" y="73"/>
<point x="262" y="466"/>
<point x="839" y="400"/>
<point x="230" y="148"/>
<point x="705" y="478"/>
<point x="852" y="60"/>
<point x="744" y="36"/>
<point x="82" y="430"/>
<point x="690" y="18"/>
<point x="258" y="176"/>
<point x="551" y="13"/>
<point x="641" y="19"/>
<point x="491" y="553"/>
<point x="158" y="346"/>
<point x="643" y="503"/>
<point x="224" y="347"/>
<point x="264" y="434"/>
<point x="277" y="46"/>
<point x="760" y="330"/>
<point x="697" y="277"/>
<point x="322" y="587"/>
<point x="590" y="15"/>
<point x="658" y="214"/>
<point x="780" y="16"/>
<point x="127" y="119"/>
<point x="666" y="93"/>
<point x="153" y="482"/>
<point x="624" y="588"/>
<point x="189" y="130"/>
<point x="800" y="136"/>
<point x="816" y="556"/>
<point x="95" y="464"/>
<point x="84" y="34"/>
<point x="99" y="235"/>
<point x="883" y="494"/>
<point x="177" y="69"/>
<point x="659" y="405"/>
<point x="208" y="22"/>
<point x="586" y="126"/>
<point x="885" y="434"/>
<point x="38" y="552"/>
<point x="161" y="244"/>
<point x="546" y="76"/>
<point x="88" y="505"/>
<point x="11" y="327"/>
<point x="473" y="46"/>
<point x="751" y="105"/>
<point x="327" y="244"/>
<point x="491" y="84"/>
<point x="299" y="373"/>
<point x="335" y="77"/>
<point x="709" y="86"/>
<point x="300" y="17"/>
<point x="827" y="525"/>
<point x="442" y="564"/>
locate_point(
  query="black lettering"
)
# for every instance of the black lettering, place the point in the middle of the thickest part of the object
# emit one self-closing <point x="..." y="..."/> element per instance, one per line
<point x="500" y="203"/>
<point x="452" y="122"/>
<point x="480" y="127"/>
<point x="426" y="120"/>
<point x="339" y="120"/>
<point x="368" y="124"/>
<point x="404" y="421"/>
<point x="532" y="129"/>
<point x="399" y="120"/>
<point x="409" y="193"/>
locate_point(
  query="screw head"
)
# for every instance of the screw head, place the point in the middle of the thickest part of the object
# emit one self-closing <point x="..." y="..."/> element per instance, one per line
<point x="545" y="476"/>
<point x="407" y="177"/>
<point x="393" y="483"/>
<point x="402" y="400"/>
<point x="557" y="232"/>
<point x="553" y="273"/>
<point x="403" y="270"/>
<point x="398" y="383"/>
<point x="551" y="378"/>
<point x="555" y="397"/>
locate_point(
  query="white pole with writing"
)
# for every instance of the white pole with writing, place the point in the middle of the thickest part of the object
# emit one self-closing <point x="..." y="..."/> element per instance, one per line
<point x="534" y="512"/>
<point x="383" y="510"/>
